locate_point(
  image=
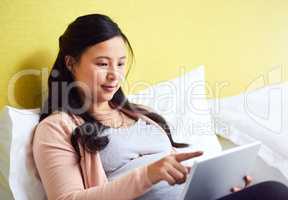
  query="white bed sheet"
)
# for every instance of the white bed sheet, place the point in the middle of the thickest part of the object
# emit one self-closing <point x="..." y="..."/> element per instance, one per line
<point x="260" y="115"/>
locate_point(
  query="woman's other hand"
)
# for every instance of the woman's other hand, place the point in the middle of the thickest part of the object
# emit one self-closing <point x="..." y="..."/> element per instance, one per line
<point x="247" y="181"/>
<point x="170" y="169"/>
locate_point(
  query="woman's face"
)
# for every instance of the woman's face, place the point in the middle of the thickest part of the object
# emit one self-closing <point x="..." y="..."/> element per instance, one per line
<point x="101" y="69"/>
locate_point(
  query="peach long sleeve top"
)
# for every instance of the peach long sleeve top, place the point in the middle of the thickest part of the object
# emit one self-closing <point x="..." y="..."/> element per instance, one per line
<point x="64" y="178"/>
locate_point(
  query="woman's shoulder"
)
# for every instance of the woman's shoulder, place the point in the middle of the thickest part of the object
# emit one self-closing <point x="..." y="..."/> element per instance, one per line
<point x="52" y="138"/>
<point x="56" y="124"/>
<point x="57" y="118"/>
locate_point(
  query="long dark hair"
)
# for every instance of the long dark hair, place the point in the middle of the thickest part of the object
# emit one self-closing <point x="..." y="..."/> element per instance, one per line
<point x="81" y="34"/>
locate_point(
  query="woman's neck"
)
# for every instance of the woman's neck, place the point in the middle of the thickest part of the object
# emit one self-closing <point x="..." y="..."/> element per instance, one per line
<point x="103" y="111"/>
<point x="101" y="107"/>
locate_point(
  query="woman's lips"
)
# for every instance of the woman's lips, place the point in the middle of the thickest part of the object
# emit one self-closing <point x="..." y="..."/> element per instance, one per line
<point x="108" y="88"/>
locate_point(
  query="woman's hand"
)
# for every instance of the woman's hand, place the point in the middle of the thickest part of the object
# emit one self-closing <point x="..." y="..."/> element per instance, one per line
<point x="247" y="180"/>
<point x="170" y="169"/>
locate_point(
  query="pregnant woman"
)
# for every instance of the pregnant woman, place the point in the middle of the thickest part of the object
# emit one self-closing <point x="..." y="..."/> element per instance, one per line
<point x="93" y="144"/>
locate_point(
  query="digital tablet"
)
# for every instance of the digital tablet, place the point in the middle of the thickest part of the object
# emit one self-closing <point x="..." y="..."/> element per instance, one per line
<point x="212" y="178"/>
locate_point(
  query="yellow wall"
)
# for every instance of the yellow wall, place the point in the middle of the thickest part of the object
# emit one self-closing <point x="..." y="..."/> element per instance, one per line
<point x="236" y="40"/>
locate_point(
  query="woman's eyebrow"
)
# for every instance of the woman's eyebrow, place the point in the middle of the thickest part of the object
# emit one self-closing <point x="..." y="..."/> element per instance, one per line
<point x="109" y="58"/>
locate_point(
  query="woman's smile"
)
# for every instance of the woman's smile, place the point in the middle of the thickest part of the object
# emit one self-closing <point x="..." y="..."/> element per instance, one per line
<point x="108" y="88"/>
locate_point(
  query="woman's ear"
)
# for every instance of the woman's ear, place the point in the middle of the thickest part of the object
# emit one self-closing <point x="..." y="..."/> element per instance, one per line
<point x="69" y="62"/>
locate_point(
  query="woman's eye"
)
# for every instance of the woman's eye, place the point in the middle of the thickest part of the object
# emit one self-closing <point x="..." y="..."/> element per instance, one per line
<point x="102" y="64"/>
<point x="121" y="64"/>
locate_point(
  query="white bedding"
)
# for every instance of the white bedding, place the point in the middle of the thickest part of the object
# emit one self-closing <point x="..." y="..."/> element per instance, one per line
<point x="260" y="115"/>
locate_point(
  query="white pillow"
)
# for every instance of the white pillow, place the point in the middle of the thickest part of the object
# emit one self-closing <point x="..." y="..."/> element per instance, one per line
<point x="16" y="127"/>
<point x="182" y="102"/>
<point x="16" y="161"/>
<point x="261" y="115"/>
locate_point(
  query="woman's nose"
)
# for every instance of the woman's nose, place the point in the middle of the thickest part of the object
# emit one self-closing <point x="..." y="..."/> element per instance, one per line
<point x="112" y="74"/>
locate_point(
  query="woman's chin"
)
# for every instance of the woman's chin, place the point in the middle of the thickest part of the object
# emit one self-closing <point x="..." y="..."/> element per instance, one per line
<point x="106" y="97"/>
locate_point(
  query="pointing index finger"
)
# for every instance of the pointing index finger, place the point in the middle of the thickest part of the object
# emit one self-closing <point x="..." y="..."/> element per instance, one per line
<point x="185" y="156"/>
